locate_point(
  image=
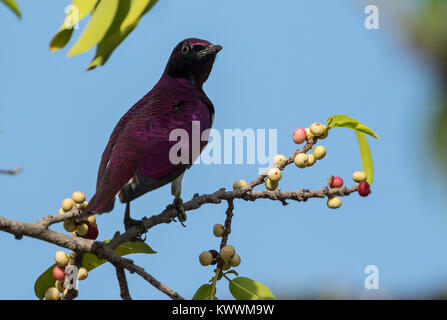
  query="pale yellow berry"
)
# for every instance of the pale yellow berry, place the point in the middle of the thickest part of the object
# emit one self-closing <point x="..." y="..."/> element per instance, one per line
<point x="279" y="158"/>
<point x="82" y="229"/>
<point x="319" y="152"/>
<point x="359" y="176"/>
<point x="78" y="197"/>
<point x="240" y="184"/>
<point x="91" y="219"/>
<point x="235" y="260"/>
<point x="52" y="294"/>
<point x="308" y="134"/>
<point x="82" y="273"/>
<point x="83" y="205"/>
<point x="301" y="160"/>
<point x="205" y="258"/>
<point x="59" y="285"/>
<point x="218" y="230"/>
<point x="69" y="225"/>
<point x="334" y="202"/>
<point x="310" y="160"/>
<point x="270" y="184"/>
<point x="274" y="174"/>
<point x="61" y="258"/>
<point x="227" y="252"/>
<point x="67" y="204"/>
<point x="61" y="211"/>
<point x="317" y="129"/>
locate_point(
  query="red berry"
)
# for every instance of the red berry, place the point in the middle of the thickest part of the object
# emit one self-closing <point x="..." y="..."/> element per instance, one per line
<point x="299" y="135"/>
<point x="59" y="273"/>
<point x="92" y="232"/>
<point x="364" y="188"/>
<point x="336" y="182"/>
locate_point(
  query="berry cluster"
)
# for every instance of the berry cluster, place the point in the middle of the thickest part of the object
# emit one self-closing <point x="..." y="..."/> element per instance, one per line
<point x="62" y="260"/>
<point x="86" y="229"/>
<point x="226" y="257"/>
<point x="337" y="182"/>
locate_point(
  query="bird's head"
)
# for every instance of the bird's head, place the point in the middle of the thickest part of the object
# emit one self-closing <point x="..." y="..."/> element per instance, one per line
<point x="192" y="59"/>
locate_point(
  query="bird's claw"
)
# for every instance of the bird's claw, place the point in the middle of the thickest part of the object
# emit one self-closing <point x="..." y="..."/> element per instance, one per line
<point x="180" y="207"/>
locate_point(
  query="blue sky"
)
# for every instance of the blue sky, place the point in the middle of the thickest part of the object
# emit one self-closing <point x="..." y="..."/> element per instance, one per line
<point x="284" y="65"/>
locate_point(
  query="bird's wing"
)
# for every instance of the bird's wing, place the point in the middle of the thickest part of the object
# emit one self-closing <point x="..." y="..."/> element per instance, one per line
<point x="158" y="165"/>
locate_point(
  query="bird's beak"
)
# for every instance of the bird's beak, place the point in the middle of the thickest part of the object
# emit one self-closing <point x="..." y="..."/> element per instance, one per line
<point x="210" y="50"/>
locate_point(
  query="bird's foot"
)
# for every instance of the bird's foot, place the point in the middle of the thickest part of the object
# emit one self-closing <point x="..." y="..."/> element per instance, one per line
<point x="180" y="207"/>
<point x="129" y="223"/>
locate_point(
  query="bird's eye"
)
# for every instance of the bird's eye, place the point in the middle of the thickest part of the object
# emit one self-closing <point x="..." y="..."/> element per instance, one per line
<point x="185" y="49"/>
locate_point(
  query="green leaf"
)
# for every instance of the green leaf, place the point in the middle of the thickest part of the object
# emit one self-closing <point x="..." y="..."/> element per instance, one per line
<point x="340" y="120"/>
<point x="90" y="262"/>
<point x="12" y="4"/>
<point x="99" y="24"/>
<point x="123" y="24"/>
<point x="45" y="281"/>
<point x="365" y="154"/>
<point x="243" y="288"/>
<point x="64" y="34"/>
<point x="205" y="292"/>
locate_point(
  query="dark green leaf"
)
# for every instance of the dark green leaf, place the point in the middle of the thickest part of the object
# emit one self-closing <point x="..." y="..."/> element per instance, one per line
<point x="365" y="154"/>
<point x="99" y="24"/>
<point x="340" y="120"/>
<point x="205" y="292"/>
<point x="64" y="34"/>
<point x="13" y="6"/>
<point x="243" y="288"/>
<point x="90" y="262"/>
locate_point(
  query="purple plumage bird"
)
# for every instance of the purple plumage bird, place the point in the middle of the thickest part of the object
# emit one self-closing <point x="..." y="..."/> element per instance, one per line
<point x="136" y="158"/>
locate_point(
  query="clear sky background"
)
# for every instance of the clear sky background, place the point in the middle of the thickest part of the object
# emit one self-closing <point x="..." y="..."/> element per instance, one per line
<point x="284" y="65"/>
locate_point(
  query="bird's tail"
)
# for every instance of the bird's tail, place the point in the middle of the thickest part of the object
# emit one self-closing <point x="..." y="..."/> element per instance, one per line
<point x="102" y="201"/>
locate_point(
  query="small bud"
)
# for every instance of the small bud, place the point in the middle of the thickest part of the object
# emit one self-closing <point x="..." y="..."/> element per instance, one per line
<point x="359" y="176"/>
<point x="205" y="258"/>
<point x="301" y="160"/>
<point x="235" y="261"/>
<point x="364" y="188"/>
<point x="227" y="252"/>
<point x="334" y="202"/>
<point x="240" y="184"/>
<point x="299" y="136"/>
<point x="279" y="158"/>
<point x="82" y="229"/>
<point x="336" y="182"/>
<point x="83" y="205"/>
<point x="309" y="134"/>
<point x="324" y="135"/>
<point x="311" y="160"/>
<point x="274" y="174"/>
<point x="61" y="258"/>
<point x="67" y="204"/>
<point x="69" y="225"/>
<point x="78" y="197"/>
<point x="226" y="266"/>
<point x="82" y="273"/>
<point x="52" y="294"/>
<point x="91" y="219"/>
<point x="319" y="152"/>
<point x="59" y="285"/>
<point x="59" y="273"/>
<point x="270" y="184"/>
<point x="317" y="129"/>
<point x="61" y="211"/>
<point x="218" y="230"/>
